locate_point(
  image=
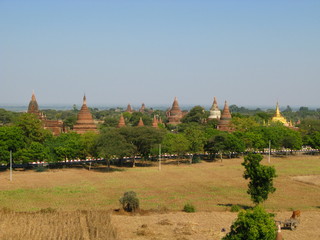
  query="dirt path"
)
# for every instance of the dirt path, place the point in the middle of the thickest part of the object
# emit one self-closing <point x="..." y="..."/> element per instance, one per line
<point x="202" y="226"/>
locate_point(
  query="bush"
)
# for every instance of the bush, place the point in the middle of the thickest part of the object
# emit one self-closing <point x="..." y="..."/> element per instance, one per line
<point x="189" y="208"/>
<point x="196" y="159"/>
<point x="235" y="208"/>
<point x="253" y="224"/>
<point x="40" y="169"/>
<point x="129" y="201"/>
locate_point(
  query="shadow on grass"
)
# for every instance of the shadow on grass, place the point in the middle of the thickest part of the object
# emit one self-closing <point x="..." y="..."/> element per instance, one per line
<point x="106" y="169"/>
<point x="245" y="207"/>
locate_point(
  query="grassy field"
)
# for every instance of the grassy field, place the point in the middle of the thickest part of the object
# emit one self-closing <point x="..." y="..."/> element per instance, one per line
<point x="209" y="186"/>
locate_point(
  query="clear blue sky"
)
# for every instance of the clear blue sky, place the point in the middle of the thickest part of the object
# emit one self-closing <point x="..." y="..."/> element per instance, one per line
<point x="120" y="52"/>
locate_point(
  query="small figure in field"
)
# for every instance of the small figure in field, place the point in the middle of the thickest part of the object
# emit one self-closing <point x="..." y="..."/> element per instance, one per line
<point x="295" y="214"/>
<point x="279" y="235"/>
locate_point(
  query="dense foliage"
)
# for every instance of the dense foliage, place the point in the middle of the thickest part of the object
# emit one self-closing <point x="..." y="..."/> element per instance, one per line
<point x="261" y="178"/>
<point x="24" y="135"/>
<point x="255" y="224"/>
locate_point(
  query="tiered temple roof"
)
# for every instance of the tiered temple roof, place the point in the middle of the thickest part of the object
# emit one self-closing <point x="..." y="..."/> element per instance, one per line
<point x="215" y="112"/>
<point x="174" y="115"/>
<point x="85" y="121"/>
<point x="129" y="109"/>
<point x="225" y="120"/>
<point x="140" y="123"/>
<point x="121" y="123"/>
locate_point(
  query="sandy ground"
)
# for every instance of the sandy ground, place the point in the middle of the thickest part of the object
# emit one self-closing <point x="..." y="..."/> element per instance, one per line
<point x="202" y="226"/>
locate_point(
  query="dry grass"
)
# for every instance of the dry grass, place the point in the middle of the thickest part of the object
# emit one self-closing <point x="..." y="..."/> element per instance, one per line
<point x="56" y="225"/>
<point x="208" y="186"/>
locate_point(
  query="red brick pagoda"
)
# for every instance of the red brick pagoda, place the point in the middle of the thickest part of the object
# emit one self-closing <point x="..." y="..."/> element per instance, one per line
<point x="225" y="120"/>
<point x="121" y="123"/>
<point x="85" y="121"/>
<point x="174" y="115"/>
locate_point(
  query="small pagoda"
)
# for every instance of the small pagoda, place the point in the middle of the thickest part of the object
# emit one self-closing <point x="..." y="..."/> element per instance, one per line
<point x="215" y="112"/>
<point x="121" y="123"/>
<point x="279" y="118"/>
<point x="85" y="121"/>
<point x="225" y="120"/>
<point x="174" y="115"/>
<point x="140" y="123"/>
<point x="155" y="122"/>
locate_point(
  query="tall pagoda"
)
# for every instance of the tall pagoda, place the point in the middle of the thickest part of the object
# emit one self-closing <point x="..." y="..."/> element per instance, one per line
<point x="215" y="112"/>
<point x="143" y="107"/>
<point x="129" y="109"/>
<point x="174" y="115"/>
<point x="278" y="117"/>
<point x="225" y="120"/>
<point x="85" y="121"/>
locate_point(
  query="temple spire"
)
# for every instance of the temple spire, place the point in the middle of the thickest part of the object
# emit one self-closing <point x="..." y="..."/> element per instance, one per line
<point x="140" y="124"/>
<point x="84" y="100"/>
<point x="155" y="122"/>
<point x="214" y="110"/>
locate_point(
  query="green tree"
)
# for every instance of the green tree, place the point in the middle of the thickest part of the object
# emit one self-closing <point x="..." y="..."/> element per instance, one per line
<point x="143" y="138"/>
<point x="261" y="178"/>
<point x="11" y="138"/>
<point x="66" y="146"/>
<point x="255" y="224"/>
<point x="196" y="138"/>
<point x="111" y="144"/>
<point x="32" y="128"/>
<point x="197" y="115"/>
<point x="175" y="143"/>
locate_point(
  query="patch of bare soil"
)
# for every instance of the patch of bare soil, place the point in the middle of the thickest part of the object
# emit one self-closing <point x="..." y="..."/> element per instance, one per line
<point x="312" y="179"/>
<point x="201" y="226"/>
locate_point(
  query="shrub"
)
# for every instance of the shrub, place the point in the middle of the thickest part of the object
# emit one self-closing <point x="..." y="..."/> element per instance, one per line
<point x="40" y="169"/>
<point x="189" y="208"/>
<point x="129" y="201"/>
<point x="252" y="224"/>
<point x="235" y="208"/>
<point x="196" y="159"/>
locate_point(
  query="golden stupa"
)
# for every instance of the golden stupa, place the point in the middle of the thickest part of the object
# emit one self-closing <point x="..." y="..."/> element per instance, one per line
<point x="279" y="118"/>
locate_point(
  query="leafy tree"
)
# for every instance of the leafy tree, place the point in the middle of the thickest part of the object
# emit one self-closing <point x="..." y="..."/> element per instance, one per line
<point x="255" y="224"/>
<point x="224" y="143"/>
<point x="111" y="143"/>
<point x="197" y="114"/>
<point x="261" y="178"/>
<point x="143" y="138"/>
<point x="88" y="141"/>
<point x="244" y="124"/>
<point x="196" y="139"/>
<point x="66" y="145"/>
<point x="216" y="144"/>
<point x="252" y="140"/>
<point x="11" y="138"/>
<point x="32" y="128"/>
<point x="175" y="143"/>
<point x="33" y="152"/>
